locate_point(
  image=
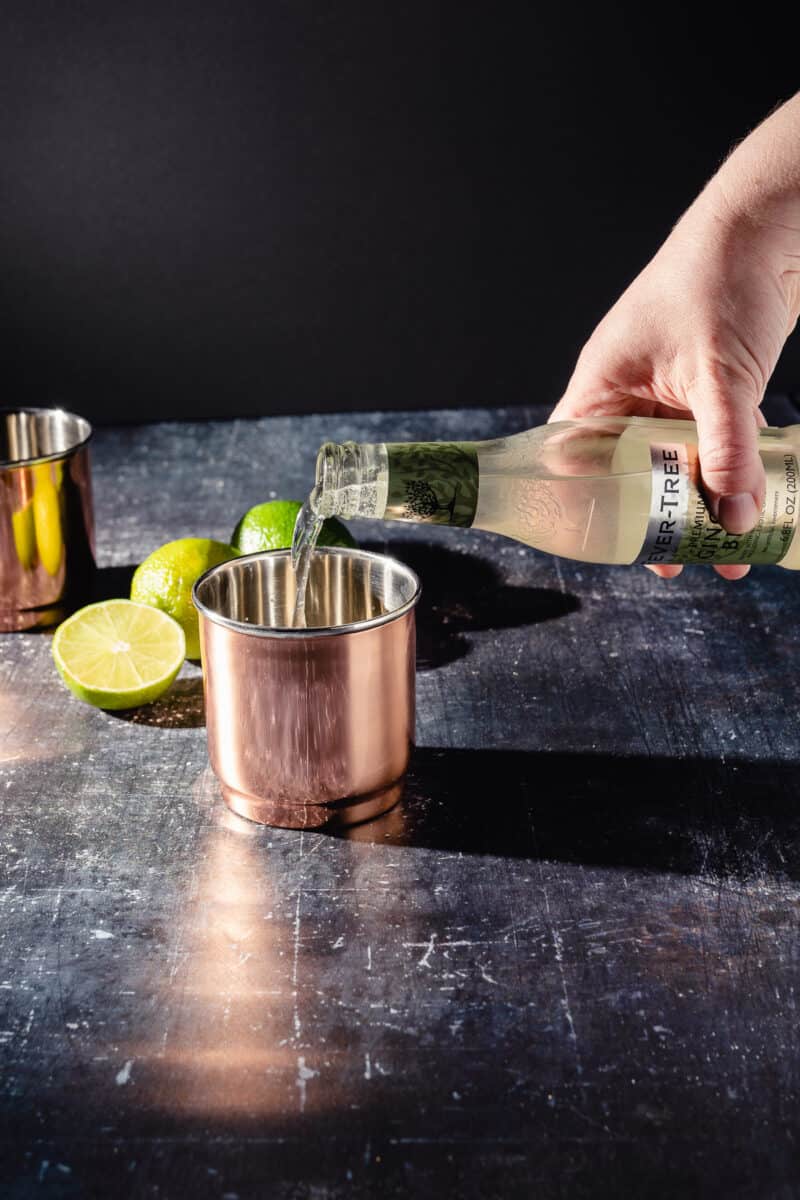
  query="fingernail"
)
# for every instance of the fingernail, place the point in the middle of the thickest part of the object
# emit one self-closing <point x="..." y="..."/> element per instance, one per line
<point x="738" y="513"/>
<point x="671" y="569"/>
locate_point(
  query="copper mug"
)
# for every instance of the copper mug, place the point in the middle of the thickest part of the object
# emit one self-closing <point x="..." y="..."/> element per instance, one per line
<point x="46" y="521"/>
<point x="310" y="727"/>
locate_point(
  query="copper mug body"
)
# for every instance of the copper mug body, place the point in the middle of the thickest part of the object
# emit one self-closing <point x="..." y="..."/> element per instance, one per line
<point x="46" y="519"/>
<point x="309" y="727"/>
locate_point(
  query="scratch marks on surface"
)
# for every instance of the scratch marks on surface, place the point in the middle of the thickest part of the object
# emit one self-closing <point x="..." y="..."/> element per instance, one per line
<point x="319" y="842"/>
<point x="369" y="958"/>
<point x="367" y="1067"/>
<point x="304" y="1073"/>
<point x="485" y="974"/>
<point x="447" y="944"/>
<point x="122" y="1077"/>
<point x="101" y="935"/>
<point x="429" y="948"/>
<point x="296" y="1025"/>
<point x="558" y="949"/>
<point x="432" y="945"/>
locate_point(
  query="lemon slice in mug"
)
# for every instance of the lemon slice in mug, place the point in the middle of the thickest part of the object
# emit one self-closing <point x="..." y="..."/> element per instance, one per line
<point x="118" y="654"/>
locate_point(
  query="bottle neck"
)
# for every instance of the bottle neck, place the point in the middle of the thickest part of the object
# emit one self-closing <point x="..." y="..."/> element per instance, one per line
<point x="431" y="482"/>
<point x="351" y="481"/>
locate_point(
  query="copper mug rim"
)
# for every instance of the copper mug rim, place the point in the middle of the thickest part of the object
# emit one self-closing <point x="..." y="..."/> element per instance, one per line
<point x="286" y="631"/>
<point x="57" y="455"/>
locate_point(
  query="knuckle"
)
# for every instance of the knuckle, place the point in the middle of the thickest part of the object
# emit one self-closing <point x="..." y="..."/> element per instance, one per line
<point x="728" y="458"/>
<point x="719" y="382"/>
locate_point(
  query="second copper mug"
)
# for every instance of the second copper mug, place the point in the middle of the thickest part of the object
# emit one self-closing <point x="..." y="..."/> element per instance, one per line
<point x="309" y="727"/>
<point x="46" y="521"/>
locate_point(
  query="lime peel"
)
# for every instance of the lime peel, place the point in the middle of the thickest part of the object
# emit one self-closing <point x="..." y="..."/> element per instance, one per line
<point x="270" y="526"/>
<point x="164" y="580"/>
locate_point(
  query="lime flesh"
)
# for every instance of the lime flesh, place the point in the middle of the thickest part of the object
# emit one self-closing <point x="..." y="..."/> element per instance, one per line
<point x="118" y="654"/>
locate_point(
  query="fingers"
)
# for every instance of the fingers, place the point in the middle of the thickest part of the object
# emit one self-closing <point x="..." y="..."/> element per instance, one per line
<point x="672" y="570"/>
<point x="568" y="408"/>
<point x="730" y="465"/>
<point x="731" y="572"/>
<point x="598" y="401"/>
<point x="665" y="572"/>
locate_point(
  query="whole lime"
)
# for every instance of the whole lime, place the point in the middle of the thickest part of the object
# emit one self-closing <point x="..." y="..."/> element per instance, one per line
<point x="166" y="577"/>
<point x="270" y="526"/>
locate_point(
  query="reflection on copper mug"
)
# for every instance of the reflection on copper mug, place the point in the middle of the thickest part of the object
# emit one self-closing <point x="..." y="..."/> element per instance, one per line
<point x="46" y="521"/>
<point x="309" y="727"/>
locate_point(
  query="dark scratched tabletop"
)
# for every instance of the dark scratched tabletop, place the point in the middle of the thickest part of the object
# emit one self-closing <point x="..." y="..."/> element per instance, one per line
<point x="566" y="966"/>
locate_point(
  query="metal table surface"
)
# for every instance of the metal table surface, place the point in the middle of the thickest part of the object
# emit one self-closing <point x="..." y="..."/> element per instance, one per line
<point x="566" y="965"/>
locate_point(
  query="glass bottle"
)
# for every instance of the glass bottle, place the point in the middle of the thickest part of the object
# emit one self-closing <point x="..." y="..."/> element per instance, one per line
<point x="601" y="489"/>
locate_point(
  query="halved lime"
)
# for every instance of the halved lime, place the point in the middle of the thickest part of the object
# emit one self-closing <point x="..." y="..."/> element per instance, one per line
<point x="118" y="654"/>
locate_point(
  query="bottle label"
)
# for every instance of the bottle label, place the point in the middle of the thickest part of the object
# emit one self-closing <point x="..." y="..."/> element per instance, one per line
<point x="682" y="530"/>
<point x="434" y="482"/>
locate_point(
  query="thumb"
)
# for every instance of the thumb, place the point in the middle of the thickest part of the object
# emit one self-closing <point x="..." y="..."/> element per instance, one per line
<point x="730" y="465"/>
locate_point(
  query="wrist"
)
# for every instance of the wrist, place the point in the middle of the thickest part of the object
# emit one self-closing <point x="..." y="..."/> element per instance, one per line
<point x="746" y="222"/>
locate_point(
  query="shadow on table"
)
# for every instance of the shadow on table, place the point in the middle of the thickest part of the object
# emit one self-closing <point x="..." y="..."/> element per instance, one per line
<point x="461" y="594"/>
<point x="686" y="815"/>
<point x="182" y="707"/>
<point x="112" y="583"/>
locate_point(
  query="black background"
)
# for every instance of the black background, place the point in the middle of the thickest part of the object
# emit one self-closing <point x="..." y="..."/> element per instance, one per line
<point x="210" y="210"/>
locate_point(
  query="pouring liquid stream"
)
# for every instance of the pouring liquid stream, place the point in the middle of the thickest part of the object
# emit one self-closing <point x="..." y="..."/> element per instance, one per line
<point x="306" y="531"/>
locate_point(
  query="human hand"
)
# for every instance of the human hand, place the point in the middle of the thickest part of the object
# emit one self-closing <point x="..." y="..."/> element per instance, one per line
<point x="697" y="334"/>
